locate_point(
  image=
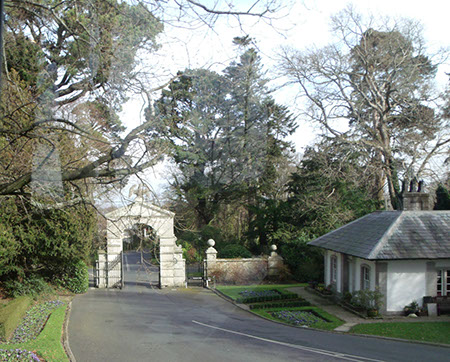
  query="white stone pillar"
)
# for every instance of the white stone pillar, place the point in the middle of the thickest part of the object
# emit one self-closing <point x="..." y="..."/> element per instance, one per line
<point x="101" y="269"/>
<point x="211" y="257"/>
<point x="166" y="261"/>
<point x="179" y="272"/>
<point x="275" y="263"/>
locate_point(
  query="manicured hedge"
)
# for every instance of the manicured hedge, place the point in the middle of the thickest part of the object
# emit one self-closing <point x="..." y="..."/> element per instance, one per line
<point x="12" y="314"/>
<point x="297" y="303"/>
<point x="283" y="296"/>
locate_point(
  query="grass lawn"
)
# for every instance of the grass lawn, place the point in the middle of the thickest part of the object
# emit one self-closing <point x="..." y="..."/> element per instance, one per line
<point x="48" y="344"/>
<point x="233" y="291"/>
<point x="437" y="332"/>
<point x="332" y="324"/>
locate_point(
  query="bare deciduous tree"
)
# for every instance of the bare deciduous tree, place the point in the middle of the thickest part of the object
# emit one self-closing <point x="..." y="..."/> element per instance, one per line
<point x="379" y="79"/>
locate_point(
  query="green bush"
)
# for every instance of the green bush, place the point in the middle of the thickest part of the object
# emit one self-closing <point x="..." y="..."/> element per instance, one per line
<point x="36" y="241"/>
<point x="285" y="295"/>
<point x="292" y="304"/>
<point x="367" y="299"/>
<point x="234" y="251"/>
<point x="12" y="314"/>
<point x="75" y="278"/>
<point x="32" y="285"/>
<point x="305" y="262"/>
<point x="190" y="253"/>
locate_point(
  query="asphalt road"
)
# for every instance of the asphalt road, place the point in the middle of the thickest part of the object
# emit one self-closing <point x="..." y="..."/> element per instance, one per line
<point x="142" y="323"/>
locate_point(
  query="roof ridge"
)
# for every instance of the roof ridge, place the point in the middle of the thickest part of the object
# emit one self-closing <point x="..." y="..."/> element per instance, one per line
<point x="385" y="238"/>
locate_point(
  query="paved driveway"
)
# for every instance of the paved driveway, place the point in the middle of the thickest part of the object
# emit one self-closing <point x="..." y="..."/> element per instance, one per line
<point x="145" y="324"/>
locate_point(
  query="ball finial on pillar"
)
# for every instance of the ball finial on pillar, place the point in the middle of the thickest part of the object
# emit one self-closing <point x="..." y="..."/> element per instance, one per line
<point x="211" y="242"/>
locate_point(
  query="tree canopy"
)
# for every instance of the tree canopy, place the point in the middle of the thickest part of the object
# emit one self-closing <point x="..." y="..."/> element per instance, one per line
<point x="379" y="79"/>
<point x="225" y="133"/>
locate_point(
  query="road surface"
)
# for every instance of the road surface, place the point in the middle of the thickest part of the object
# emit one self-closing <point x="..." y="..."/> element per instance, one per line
<point x="142" y="323"/>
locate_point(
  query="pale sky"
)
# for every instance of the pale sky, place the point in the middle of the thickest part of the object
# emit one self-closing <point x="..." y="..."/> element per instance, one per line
<point x="302" y="24"/>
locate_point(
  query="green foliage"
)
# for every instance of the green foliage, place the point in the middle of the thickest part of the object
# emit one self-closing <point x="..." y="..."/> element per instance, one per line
<point x="190" y="253"/>
<point x="12" y="314"/>
<point x="74" y="277"/>
<point x="367" y="299"/>
<point x="269" y="298"/>
<point x="40" y="244"/>
<point x="234" y="251"/>
<point x="32" y="285"/>
<point x="226" y="134"/>
<point x="197" y="240"/>
<point x="288" y="304"/>
<point x="304" y="262"/>
<point x="379" y="76"/>
<point x="442" y="198"/>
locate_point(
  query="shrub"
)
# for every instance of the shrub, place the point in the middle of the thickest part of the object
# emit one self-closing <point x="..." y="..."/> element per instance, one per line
<point x="367" y="299"/>
<point x="412" y="307"/>
<point x="268" y="298"/>
<point x="305" y="262"/>
<point x="190" y="253"/>
<point x="75" y="278"/>
<point x="292" y="304"/>
<point x="31" y="285"/>
<point x="234" y="251"/>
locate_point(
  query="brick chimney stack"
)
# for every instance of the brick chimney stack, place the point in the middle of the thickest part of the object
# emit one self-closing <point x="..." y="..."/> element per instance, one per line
<point x="415" y="199"/>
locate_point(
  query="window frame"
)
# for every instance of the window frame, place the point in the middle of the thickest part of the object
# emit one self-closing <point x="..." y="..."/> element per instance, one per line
<point x="365" y="277"/>
<point x="443" y="282"/>
<point x="333" y="269"/>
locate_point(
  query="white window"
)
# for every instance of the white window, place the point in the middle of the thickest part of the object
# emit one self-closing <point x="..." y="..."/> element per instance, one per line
<point x="365" y="277"/>
<point x="443" y="283"/>
<point x="333" y="269"/>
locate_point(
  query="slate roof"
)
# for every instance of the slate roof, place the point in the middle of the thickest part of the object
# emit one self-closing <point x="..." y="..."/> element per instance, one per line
<point x="392" y="235"/>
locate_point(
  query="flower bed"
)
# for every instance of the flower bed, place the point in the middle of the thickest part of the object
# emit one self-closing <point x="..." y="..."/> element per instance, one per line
<point x="17" y="355"/>
<point x="259" y="293"/>
<point x="34" y="321"/>
<point x="298" y="317"/>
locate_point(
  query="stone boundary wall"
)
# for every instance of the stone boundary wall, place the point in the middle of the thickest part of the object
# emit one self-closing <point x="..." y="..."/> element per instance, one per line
<point x="239" y="271"/>
<point x="242" y="270"/>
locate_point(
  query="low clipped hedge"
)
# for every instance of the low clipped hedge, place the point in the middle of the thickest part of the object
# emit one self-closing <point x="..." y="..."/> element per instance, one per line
<point x="292" y="304"/>
<point x="12" y="314"/>
<point x="271" y="298"/>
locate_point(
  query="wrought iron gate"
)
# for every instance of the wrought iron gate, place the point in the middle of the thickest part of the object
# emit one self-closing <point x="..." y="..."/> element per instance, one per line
<point x="195" y="274"/>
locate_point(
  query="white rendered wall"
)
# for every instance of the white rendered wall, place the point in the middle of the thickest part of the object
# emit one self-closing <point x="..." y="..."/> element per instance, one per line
<point x="405" y="282"/>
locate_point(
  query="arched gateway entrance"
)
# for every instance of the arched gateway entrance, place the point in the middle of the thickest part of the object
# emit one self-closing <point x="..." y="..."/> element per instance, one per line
<point x="110" y="265"/>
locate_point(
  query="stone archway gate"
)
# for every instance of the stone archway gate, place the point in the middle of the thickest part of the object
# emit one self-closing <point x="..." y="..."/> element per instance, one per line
<point x="172" y="269"/>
